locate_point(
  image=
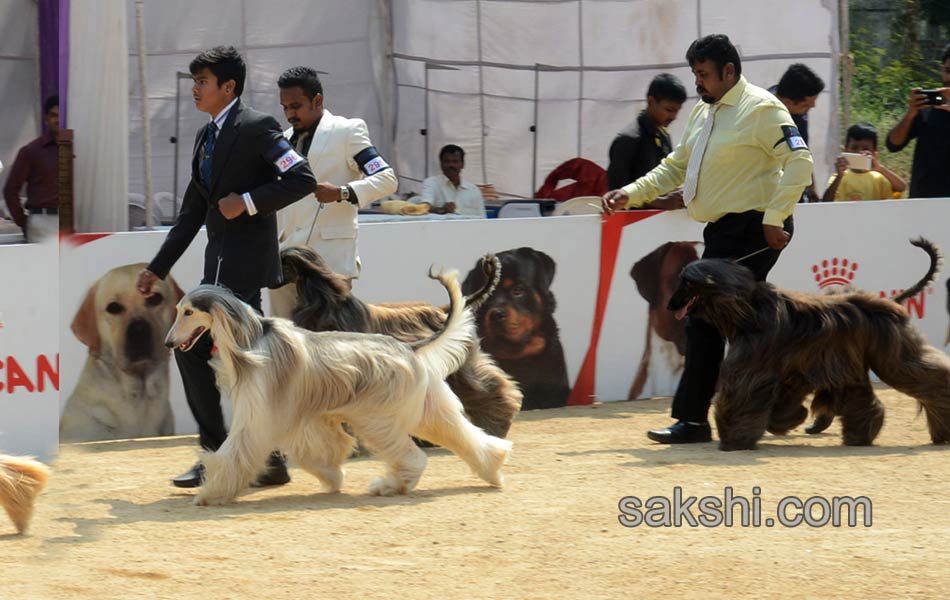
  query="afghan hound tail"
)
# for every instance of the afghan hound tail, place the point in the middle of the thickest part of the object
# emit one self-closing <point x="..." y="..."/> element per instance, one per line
<point x="936" y="260"/>
<point x="21" y="480"/>
<point x="491" y="266"/>
<point x="445" y="351"/>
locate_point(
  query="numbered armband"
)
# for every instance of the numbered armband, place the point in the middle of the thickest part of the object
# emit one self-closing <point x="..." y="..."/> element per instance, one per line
<point x="792" y="137"/>
<point x="283" y="156"/>
<point x="370" y="162"/>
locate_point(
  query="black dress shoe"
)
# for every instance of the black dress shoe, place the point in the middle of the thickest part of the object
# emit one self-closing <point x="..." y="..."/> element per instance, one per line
<point x="682" y="432"/>
<point x="275" y="474"/>
<point x="822" y="422"/>
<point x="191" y="478"/>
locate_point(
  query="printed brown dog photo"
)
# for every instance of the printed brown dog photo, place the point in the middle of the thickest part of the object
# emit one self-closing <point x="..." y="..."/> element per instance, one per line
<point x="123" y="388"/>
<point x="656" y="276"/>
<point x="517" y="327"/>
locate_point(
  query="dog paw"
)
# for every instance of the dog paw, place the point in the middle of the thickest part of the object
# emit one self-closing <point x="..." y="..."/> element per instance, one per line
<point x="209" y="500"/>
<point x="737" y="445"/>
<point x="386" y="486"/>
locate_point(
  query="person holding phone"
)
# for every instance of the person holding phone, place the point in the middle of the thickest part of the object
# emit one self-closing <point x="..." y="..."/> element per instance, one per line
<point x="928" y="121"/>
<point x="858" y="174"/>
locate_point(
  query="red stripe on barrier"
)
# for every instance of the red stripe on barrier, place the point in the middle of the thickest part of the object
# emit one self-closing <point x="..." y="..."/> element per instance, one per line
<point x="78" y="239"/>
<point x="610" y="235"/>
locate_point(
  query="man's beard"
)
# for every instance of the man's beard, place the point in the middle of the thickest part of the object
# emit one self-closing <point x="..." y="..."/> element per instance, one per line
<point x="704" y="96"/>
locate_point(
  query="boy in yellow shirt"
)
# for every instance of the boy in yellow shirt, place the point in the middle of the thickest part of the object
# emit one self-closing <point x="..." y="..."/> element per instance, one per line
<point x="880" y="183"/>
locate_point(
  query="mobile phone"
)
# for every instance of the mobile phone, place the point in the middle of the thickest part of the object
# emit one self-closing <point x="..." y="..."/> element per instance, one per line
<point x="934" y="97"/>
<point x="860" y="162"/>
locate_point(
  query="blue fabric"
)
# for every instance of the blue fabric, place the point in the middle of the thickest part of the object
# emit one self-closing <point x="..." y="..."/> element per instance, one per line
<point x="207" y="155"/>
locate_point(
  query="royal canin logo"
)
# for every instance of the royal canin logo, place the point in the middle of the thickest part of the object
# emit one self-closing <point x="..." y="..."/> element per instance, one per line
<point x="840" y="272"/>
<point x="837" y="271"/>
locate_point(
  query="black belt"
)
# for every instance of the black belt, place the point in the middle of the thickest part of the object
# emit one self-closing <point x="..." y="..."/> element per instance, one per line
<point x="43" y="211"/>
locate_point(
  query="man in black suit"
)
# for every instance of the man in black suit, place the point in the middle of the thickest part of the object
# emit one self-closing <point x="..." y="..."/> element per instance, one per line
<point x="243" y="171"/>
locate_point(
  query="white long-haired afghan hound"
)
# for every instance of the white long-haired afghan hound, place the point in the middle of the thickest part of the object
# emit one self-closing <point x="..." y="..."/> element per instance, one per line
<point x="293" y="389"/>
<point x="21" y="480"/>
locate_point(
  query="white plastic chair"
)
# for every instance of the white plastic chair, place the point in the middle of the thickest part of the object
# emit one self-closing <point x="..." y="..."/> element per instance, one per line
<point x="519" y="210"/>
<point x="165" y="207"/>
<point x="581" y="205"/>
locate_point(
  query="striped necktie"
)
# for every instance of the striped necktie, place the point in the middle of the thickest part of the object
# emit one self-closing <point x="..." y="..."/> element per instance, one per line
<point x="696" y="157"/>
<point x="207" y="154"/>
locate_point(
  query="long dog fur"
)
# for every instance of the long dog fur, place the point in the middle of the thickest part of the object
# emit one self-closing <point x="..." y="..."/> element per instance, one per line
<point x="490" y="396"/>
<point x="293" y="389"/>
<point x="21" y="481"/>
<point x="784" y="345"/>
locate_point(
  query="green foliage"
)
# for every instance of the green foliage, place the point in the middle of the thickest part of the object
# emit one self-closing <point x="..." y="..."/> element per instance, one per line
<point x="883" y="77"/>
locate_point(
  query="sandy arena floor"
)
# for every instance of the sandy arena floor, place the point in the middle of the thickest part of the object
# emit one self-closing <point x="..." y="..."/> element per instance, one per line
<point x="111" y="526"/>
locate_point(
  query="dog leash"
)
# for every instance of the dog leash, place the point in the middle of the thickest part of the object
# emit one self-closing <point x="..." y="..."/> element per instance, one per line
<point x="751" y="254"/>
<point x="312" y="225"/>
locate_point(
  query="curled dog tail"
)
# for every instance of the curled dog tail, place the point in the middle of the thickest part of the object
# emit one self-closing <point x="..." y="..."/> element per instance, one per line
<point x="935" y="262"/>
<point x="491" y="266"/>
<point x="21" y="480"/>
<point x="445" y="351"/>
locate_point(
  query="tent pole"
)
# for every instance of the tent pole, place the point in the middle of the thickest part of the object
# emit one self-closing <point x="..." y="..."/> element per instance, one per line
<point x="146" y="130"/>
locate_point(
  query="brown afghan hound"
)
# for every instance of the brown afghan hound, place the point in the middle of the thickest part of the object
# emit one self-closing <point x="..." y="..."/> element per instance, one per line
<point x="490" y="397"/>
<point x="785" y="345"/>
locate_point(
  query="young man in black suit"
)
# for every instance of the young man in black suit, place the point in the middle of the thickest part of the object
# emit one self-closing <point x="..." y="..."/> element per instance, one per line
<point x="243" y="171"/>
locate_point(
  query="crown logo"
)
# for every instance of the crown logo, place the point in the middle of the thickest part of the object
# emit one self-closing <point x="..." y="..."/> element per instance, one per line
<point x="834" y="272"/>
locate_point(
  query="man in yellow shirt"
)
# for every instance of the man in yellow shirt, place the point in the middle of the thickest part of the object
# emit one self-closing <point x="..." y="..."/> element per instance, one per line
<point x="743" y="166"/>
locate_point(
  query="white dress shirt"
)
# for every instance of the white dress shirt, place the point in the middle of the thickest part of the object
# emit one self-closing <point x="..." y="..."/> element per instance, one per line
<point x="438" y="190"/>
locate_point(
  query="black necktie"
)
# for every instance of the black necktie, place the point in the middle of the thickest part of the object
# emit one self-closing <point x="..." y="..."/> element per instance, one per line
<point x="207" y="154"/>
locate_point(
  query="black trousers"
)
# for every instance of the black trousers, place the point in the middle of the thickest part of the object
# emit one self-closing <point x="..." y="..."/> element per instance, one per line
<point x="733" y="236"/>
<point x="201" y="390"/>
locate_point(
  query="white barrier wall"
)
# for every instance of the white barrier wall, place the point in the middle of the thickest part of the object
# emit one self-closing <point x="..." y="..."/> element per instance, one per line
<point x="396" y="258"/>
<point x="871" y="237"/>
<point x="29" y="359"/>
<point x="866" y="242"/>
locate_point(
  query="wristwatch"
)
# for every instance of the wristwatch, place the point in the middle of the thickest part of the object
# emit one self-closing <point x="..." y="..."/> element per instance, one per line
<point x="347" y="195"/>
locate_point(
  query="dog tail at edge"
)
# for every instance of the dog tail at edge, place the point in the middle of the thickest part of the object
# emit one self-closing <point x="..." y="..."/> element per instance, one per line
<point x="444" y="351"/>
<point x="935" y="262"/>
<point x="21" y="480"/>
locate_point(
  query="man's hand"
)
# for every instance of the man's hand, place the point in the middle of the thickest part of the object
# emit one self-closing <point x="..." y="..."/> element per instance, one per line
<point x="671" y="201"/>
<point x="915" y="102"/>
<point x="449" y="207"/>
<point x="327" y="192"/>
<point x="614" y="200"/>
<point x="945" y="92"/>
<point x="776" y="237"/>
<point x="232" y="206"/>
<point x="145" y="281"/>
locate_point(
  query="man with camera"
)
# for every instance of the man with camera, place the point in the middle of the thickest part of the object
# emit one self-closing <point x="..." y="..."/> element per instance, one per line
<point x="928" y="120"/>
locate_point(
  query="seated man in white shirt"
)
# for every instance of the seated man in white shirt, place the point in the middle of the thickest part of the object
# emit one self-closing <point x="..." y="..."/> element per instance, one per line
<point x="449" y="193"/>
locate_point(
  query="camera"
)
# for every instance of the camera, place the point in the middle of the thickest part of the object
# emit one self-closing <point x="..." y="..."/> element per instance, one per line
<point x="934" y="97"/>
<point x="858" y="162"/>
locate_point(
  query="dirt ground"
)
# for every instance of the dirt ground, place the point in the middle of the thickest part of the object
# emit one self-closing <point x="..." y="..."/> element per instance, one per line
<point x="111" y="526"/>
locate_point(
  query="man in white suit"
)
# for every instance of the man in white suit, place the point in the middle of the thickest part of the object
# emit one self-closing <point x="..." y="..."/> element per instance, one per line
<point x="350" y="172"/>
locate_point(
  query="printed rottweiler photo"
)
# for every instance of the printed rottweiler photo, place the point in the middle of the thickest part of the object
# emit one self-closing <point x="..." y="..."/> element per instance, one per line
<point x="517" y="327"/>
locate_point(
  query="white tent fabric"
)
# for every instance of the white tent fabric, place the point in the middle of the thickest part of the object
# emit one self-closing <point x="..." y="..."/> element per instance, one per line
<point x="339" y="37"/>
<point x="98" y="112"/>
<point x="19" y="72"/>
<point x="579" y="71"/>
